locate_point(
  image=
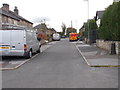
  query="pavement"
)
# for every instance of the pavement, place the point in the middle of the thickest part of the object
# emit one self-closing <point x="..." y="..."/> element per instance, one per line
<point x="97" y="57"/>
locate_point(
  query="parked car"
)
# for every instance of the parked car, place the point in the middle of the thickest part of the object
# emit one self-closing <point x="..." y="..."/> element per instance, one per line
<point x="63" y="37"/>
<point x="19" y="43"/>
<point x="56" y="37"/>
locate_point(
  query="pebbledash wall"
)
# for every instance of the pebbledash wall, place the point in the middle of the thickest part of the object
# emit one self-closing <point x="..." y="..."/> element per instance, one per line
<point x="107" y="45"/>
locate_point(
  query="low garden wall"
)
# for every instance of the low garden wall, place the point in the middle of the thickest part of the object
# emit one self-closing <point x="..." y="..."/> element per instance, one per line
<point x="107" y="45"/>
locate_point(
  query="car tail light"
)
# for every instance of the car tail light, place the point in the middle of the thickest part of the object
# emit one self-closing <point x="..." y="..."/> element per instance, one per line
<point x="25" y="47"/>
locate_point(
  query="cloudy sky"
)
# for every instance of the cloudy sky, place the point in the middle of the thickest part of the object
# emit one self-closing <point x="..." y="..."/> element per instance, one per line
<point x="57" y="11"/>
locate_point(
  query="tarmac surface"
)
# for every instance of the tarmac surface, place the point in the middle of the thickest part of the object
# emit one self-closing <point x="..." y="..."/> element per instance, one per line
<point x="10" y="63"/>
<point x="60" y="66"/>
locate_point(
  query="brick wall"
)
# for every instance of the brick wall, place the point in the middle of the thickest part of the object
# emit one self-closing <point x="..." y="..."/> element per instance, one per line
<point x="107" y="45"/>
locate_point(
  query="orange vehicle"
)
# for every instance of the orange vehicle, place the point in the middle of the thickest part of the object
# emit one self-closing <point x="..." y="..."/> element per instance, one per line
<point x="73" y="37"/>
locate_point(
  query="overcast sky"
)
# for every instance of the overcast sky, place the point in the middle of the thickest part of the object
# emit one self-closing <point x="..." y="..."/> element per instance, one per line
<point x="57" y="11"/>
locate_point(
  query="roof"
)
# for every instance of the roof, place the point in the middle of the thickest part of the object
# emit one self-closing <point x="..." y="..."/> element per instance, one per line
<point x="37" y="26"/>
<point x="99" y="14"/>
<point x="20" y="17"/>
<point x="9" y="14"/>
<point x="13" y="15"/>
<point x="41" y="26"/>
<point x="52" y="29"/>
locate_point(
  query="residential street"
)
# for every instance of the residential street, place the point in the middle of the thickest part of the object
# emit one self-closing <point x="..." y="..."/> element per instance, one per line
<point x="60" y="66"/>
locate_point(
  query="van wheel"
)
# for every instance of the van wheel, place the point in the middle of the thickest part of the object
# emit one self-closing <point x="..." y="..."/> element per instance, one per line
<point x="38" y="51"/>
<point x="29" y="54"/>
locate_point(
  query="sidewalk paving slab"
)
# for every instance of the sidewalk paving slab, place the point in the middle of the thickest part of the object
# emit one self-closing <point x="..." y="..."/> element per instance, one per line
<point x="97" y="57"/>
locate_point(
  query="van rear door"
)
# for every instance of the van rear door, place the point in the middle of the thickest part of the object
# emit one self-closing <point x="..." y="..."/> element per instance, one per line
<point x="17" y="41"/>
<point x="4" y="42"/>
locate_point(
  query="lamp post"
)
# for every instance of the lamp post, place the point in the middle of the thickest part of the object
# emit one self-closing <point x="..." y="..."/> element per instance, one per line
<point x="76" y="26"/>
<point x="88" y="22"/>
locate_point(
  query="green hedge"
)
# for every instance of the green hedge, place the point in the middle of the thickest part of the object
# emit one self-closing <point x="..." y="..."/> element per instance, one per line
<point x="110" y="23"/>
<point x="92" y="26"/>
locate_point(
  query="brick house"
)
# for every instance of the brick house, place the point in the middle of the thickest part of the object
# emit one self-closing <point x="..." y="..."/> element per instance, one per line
<point x="12" y="20"/>
<point x="43" y="32"/>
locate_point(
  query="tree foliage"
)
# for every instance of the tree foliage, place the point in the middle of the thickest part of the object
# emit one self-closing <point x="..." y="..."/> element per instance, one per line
<point x="70" y="30"/>
<point x="110" y="23"/>
<point x="92" y="26"/>
<point x="63" y="29"/>
<point x="60" y="33"/>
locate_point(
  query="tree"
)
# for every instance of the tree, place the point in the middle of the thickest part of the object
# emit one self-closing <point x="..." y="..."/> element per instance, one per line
<point x="90" y="29"/>
<point x="63" y="28"/>
<point x="92" y="26"/>
<point x="70" y="30"/>
<point x="110" y="23"/>
<point x="60" y="33"/>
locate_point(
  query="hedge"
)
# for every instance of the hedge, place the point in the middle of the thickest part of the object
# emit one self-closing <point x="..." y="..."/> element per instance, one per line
<point x="110" y="23"/>
<point x="92" y="26"/>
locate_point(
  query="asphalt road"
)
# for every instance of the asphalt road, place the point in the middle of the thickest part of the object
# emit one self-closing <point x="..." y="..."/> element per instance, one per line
<point x="60" y="66"/>
<point x="10" y="63"/>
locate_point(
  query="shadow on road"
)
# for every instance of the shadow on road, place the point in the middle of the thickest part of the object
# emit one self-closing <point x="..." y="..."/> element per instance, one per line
<point x="13" y="58"/>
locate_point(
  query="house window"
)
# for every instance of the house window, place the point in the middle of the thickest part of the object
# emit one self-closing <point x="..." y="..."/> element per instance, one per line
<point x="6" y="19"/>
<point x="15" y="22"/>
<point x="10" y="20"/>
<point x="3" y="19"/>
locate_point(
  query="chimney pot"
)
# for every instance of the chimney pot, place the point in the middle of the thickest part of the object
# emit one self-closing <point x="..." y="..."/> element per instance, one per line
<point x="16" y="10"/>
<point x="5" y="7"/>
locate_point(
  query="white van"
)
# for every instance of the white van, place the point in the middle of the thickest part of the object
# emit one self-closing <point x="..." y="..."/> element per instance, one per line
<point x="18" y="43"/>
<point x="56" y="36"/>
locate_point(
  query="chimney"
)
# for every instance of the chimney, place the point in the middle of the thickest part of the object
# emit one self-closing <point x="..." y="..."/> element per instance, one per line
<point x="16" y="10"/>
<point x="5" y="7"/>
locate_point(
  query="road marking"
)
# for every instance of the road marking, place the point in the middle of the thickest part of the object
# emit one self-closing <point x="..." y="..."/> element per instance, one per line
<point x="104" y="65"/>
<point x="83" y="56"/>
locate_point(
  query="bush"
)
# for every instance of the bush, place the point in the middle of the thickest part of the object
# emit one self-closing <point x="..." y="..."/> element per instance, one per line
<point x="92" y="26"/>
<point x="110" y="23"/>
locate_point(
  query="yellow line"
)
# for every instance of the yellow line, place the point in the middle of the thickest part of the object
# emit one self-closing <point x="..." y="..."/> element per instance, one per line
<point x="104" y="65"/>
